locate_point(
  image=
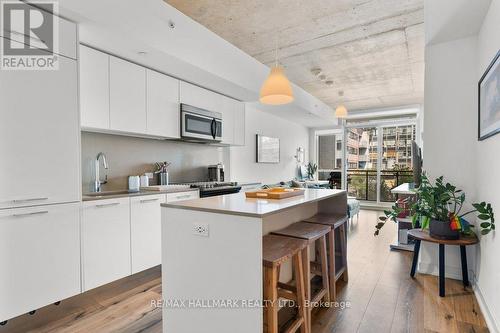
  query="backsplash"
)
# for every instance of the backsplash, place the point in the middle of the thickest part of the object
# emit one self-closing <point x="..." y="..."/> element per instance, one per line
<point x="133" y="156"/>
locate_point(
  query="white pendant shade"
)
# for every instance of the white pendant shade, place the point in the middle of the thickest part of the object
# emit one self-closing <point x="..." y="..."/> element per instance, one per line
<point x="276" y="89"/>
<point x="341" y="111"/>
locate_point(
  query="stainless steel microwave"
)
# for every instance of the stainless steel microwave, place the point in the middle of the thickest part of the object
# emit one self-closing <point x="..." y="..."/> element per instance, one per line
<point x="200" y="125"/>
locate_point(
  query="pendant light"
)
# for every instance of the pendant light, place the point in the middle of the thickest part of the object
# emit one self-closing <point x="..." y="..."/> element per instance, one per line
<point x="341" y="110"/>
<point x="276" y="89"/>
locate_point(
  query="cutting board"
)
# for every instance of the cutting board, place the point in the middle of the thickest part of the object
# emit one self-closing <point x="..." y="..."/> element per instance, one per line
<point x="275" y="193"/>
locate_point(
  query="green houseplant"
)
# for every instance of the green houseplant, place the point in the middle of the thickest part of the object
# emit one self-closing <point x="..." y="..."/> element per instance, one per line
<point x="438" y="206"/>
<point x="311" y="170"/>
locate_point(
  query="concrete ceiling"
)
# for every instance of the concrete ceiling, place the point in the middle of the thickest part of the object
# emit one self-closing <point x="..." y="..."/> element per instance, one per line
<point x="372" y="50"/>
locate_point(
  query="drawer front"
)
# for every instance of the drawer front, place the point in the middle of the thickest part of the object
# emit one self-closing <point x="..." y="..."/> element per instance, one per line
<point x="40" y="257"/>
<point x="180" y="196"/>
<point x="105" y="241"/>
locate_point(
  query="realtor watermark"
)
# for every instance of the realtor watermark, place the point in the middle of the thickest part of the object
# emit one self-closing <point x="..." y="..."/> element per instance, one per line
<point x="30" y="35"/>
<point x="240" y="304"/>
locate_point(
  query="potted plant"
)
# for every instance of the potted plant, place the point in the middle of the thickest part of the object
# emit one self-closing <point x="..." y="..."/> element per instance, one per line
<point x="438" y="207"/>
<point x="311" y="170"/>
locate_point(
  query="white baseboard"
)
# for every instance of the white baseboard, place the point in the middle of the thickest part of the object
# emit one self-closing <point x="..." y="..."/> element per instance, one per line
<point x="451" y="272"/>
<point x="490" y="320"/>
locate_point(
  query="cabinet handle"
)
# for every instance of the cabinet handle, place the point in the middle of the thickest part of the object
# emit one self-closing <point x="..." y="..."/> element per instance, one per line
<point x="107" y="205"/>
<point x="29" y="200"/>
<point x="149" y="200"/>
<point x="183" y="196"/>
<point x="33" y="213"/>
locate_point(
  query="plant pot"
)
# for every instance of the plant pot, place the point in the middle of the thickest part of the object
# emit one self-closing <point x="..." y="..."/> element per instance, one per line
<point x="442" y="230"/>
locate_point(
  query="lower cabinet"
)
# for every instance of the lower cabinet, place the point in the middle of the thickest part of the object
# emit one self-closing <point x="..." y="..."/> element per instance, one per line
<point x="145" y="226"/>
<point x="39" y="256"/>
<point x="105" y="241"/>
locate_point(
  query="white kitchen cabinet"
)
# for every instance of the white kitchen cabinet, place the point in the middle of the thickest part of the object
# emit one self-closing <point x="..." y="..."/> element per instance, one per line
<point x="227" y="108"/>
<point x="127" y="96"/>
<point x="239" y="125"/>
<point x="40" y="257"/>
<point x="105" y="241"/>
<point x="199" y="97"/>
<point x="163" y="113"/>
<point x="180" y="196"/>
<point x="39" y="136"/>
<point x="145" y="227"/>
<point x="94" y="88"/>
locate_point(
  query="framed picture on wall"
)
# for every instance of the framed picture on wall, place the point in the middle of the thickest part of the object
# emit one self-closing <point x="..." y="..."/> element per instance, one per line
<point x="489" y="100"/>
<point x="268" y="149"/>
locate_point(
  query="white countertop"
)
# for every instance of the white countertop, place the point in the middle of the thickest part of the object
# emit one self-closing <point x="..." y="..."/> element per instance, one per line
<point x="239" y="204"/>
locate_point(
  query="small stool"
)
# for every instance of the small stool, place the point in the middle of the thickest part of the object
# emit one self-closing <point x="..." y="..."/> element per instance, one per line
<point x="275" y="251"/>
<point x="335" y="221"/>
<point x="312" y="233"/>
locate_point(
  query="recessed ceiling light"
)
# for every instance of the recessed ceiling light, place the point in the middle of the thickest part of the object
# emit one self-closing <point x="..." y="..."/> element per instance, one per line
<point x="171" y="24"/>
<point x="142" y="53"/>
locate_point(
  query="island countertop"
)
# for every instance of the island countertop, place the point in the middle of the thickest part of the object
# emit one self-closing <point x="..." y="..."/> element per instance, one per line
<point x="239" y="204"/>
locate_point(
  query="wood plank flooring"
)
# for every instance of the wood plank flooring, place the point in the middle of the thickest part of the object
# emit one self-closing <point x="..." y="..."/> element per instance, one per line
<point x="381" y="295"/>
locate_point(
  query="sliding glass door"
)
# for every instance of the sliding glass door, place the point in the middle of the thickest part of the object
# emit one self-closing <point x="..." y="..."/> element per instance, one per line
<point x="378" y="158"/>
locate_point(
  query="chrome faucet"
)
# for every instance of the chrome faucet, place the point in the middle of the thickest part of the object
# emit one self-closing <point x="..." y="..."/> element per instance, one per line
<point x="98" y="182"/>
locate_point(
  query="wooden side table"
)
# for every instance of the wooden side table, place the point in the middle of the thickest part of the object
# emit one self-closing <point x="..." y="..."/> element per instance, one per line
<point x="423" y="235"/>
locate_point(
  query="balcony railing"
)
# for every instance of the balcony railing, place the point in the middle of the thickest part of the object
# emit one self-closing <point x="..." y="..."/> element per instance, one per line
<point x="362" y="184"/>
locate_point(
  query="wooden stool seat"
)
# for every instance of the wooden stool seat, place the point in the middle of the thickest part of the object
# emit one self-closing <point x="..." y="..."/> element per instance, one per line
<point x="303" y="230"/>
<point x="335" y="222"/>
<point x="313" y="234"/>
<point x="278" y="249"/>
<point x="275" y="251"/>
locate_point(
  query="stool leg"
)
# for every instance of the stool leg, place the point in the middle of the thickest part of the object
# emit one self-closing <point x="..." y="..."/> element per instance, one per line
<point x="300" y="282"/>
<point x="343" y="247"/>
<point x="324" y="267"/>
<point x="271" y="298"/>
<point x="465" y="272"/>
<point x="306" y="263"/>
<point x="331" y="264"/>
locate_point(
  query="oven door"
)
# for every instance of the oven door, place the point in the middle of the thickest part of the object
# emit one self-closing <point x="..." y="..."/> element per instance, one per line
<point x="201" y="127"/>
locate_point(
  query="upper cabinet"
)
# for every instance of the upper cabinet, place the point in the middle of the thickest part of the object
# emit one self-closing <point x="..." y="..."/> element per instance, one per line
<point x="94" y="88"/>
<point x="118" y="96"/>
<point x="199" y="97"/>
<point x="39" y="136"/>
<point x="162" y="105"/>
<point x="127" y="96"/>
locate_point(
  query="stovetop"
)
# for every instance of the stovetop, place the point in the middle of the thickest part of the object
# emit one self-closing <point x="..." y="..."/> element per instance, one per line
<point x="213" y="185"/>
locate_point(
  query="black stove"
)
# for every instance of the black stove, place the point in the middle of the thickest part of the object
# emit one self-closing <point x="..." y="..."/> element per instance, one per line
<point x="211" y="189"/>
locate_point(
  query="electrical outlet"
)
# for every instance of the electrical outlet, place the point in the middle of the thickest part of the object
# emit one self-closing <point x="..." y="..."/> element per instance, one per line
<point x="200" y="229"/>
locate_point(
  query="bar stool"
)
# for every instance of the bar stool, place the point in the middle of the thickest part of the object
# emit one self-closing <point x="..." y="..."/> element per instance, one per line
<point x="334" y="221"/>
<point x="312" y="233"/>
<point x="275" y="251"/>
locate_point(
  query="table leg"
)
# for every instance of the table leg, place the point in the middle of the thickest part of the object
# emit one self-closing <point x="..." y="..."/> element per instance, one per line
<point x="465" y="273"/>
<point x="415" y="258"/>
<point x="441" y="270"/>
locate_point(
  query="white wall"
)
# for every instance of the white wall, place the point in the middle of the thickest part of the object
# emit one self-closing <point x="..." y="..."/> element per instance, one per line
<point x="292" y="135"/>
<point x="488" y="175"/>
<point x="450" y="129"/>
<point x="453" y="69"/>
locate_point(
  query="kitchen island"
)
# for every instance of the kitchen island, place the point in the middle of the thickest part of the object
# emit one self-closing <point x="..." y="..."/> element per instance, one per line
<point x="212" y="256"/>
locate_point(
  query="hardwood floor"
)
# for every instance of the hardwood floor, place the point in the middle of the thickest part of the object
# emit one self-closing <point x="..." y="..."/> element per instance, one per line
<point x="381" y="295"/>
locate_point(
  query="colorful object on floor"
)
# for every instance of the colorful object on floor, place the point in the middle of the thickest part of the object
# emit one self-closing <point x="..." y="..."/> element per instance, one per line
<point x="455" y="223"/>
